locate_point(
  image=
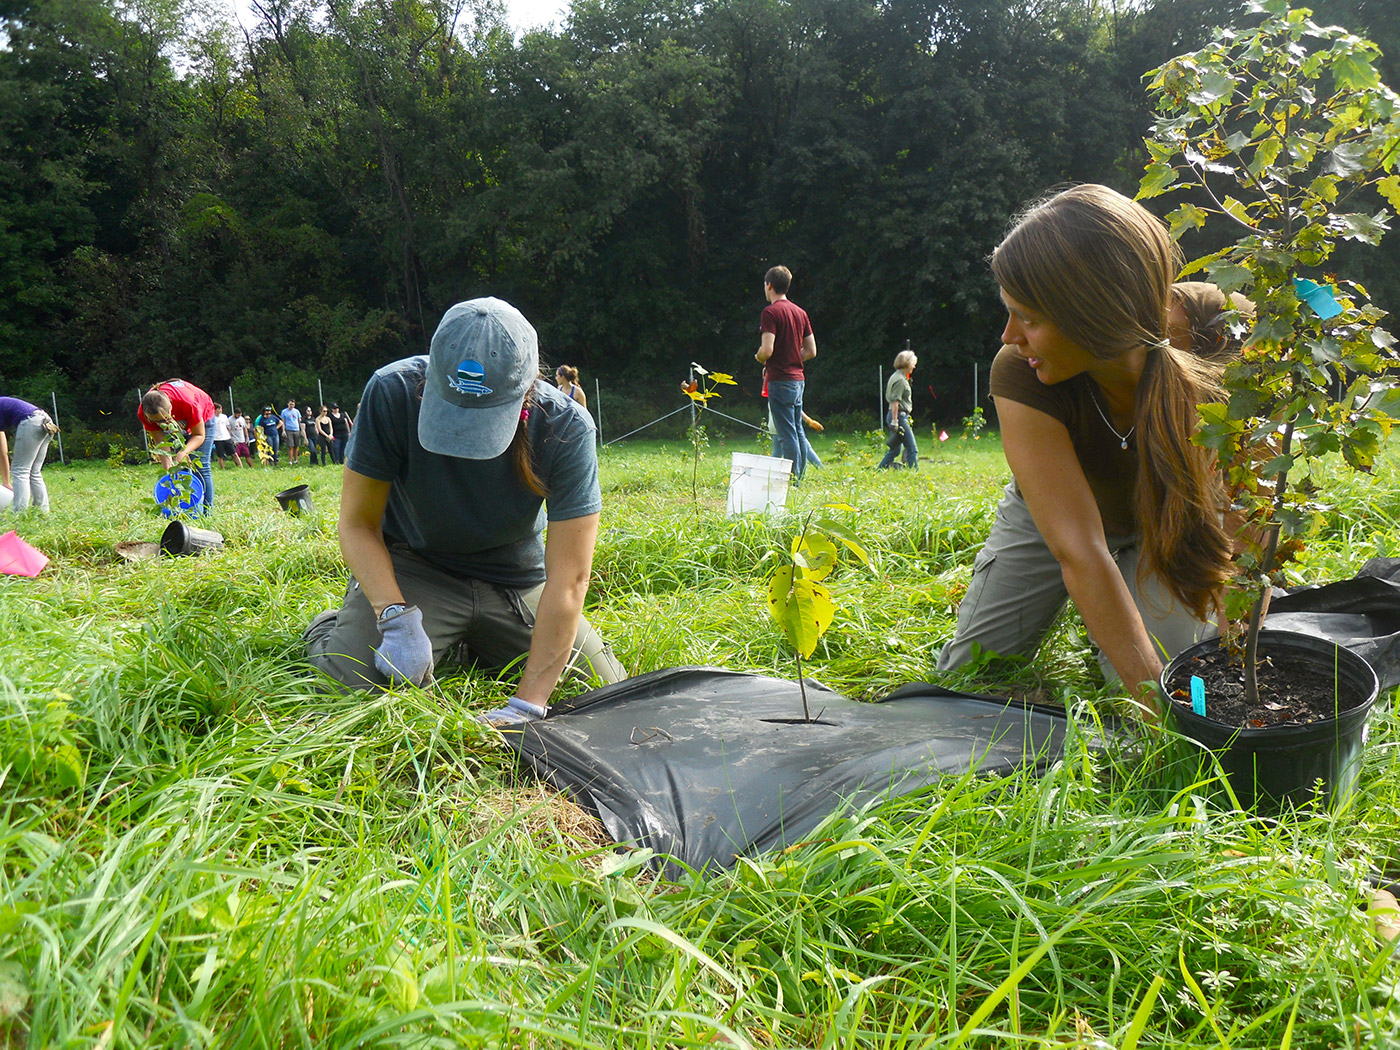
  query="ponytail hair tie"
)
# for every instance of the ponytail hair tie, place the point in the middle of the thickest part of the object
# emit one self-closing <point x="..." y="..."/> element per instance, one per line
<point x="524" y="415"/>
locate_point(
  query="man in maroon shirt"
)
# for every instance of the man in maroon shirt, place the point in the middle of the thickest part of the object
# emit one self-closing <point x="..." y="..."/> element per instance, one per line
<point x="787" y="343"/>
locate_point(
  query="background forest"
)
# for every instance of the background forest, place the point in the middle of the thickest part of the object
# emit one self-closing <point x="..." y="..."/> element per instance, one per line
<point x="302" y="195"/>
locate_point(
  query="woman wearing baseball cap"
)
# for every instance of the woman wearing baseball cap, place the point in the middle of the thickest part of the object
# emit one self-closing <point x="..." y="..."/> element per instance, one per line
<point x="456" y="462"/>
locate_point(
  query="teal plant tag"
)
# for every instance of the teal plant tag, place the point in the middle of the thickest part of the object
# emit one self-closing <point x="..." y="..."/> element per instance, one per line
<point x="1198" y="695"/>
<point x="1319" y="297"/>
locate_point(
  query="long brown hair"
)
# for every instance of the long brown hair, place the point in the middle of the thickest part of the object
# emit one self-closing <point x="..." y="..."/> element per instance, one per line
<point x="520" y="448"/>
<point x="1100" y="267"/>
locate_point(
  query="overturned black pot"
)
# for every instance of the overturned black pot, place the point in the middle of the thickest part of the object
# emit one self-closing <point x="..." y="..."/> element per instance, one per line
<point x="296" y="501"/>
<point x="180" y="538"/>
<point x="1277" y="767"/>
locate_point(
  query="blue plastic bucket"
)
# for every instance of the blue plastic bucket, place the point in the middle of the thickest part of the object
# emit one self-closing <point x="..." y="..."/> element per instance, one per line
<point x="185" y="486"/>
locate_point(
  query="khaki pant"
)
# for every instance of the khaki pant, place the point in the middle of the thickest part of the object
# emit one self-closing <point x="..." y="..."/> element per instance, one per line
<point x="468" y="621"/>
<point x="1017" y="589"/>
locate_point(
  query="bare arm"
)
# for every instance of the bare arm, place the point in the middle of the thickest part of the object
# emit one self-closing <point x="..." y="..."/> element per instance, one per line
<point x="809" y="348"/>
<point x="362" y="503"/>
<point x="1049" y="475"/>
<point x="4" y="459"/>
<point x="765" y="348"/>
<point x="194" y="441"/>
<point x="568" y="563"/>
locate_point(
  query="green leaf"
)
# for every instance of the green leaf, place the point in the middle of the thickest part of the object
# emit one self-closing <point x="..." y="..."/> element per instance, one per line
<point x="1352" y="70"/>
<point x="1204" y="261"/>
<point x="1358" y="227"/>
<point x="1360" y="447"/>
<point x="66" y="764"/>
<point x="1276" y="466"/>
<point x="1159" y="176"/>
<point x="1265" y="154"/>
<point x="1186" y="217"/>
<point x="1215" y="86"/>
<point x="847" y="537"/>
<point x="1229" y="276"/>
<point x="1237" y="210"/>
<point x="1349" y="158"/>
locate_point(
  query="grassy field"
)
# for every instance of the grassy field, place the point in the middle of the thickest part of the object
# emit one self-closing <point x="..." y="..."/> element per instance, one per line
<point x="199" y="848"/>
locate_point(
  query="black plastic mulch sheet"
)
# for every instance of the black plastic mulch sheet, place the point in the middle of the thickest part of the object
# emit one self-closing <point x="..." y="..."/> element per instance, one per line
<point x="704" y="765"/>
<point x="1362" y="614"/>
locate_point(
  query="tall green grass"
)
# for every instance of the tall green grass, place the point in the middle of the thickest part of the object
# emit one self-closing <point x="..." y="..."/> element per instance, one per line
<point x="199" y="847"/>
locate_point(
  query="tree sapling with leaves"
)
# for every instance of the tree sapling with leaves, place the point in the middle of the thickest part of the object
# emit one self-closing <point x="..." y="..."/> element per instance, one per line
<point x="700" y="388"/>
<point x="1286" y="131"/>
<point x="803" y="607"/>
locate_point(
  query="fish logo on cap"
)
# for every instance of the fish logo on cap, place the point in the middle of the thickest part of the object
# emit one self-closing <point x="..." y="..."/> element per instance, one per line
<point x="469" y="379"/>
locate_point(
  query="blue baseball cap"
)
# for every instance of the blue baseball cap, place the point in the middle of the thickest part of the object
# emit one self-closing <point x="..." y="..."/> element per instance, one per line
<point x="483" y="360"/>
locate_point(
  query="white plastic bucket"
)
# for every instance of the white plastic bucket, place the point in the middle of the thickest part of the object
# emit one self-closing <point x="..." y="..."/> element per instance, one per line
<point x="757" y="482"/>
<point x="7" y="497"/>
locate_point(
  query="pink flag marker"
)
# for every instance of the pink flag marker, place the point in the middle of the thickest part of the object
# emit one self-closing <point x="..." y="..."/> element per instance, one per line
<point x="18" y="558"/>
<point x="943" y="435"/>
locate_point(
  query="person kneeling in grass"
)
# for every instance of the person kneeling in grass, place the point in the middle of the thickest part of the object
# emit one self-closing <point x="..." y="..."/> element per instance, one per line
<point x="455" y="462"/>
<point x="1111" y="503"/>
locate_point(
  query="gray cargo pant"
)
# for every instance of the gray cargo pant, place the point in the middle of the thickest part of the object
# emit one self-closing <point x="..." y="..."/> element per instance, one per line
<point x="493" y="623"/>
<point x="1017" y="589"/>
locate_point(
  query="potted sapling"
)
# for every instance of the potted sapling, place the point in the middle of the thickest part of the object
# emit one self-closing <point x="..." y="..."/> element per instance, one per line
<point x="1286" y="133"/>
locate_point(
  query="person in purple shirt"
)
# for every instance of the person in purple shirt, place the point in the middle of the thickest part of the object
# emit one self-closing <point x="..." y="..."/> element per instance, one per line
<point x="24" y="473"/>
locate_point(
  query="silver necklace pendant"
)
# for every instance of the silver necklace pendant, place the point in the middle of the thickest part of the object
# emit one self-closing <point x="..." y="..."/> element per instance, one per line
<point x="1122" y="438"/>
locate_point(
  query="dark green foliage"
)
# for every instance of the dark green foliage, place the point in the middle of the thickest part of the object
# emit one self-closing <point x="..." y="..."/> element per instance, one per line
<point x="303" y="200"/>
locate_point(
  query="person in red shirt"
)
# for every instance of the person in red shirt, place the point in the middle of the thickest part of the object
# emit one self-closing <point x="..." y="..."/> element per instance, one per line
<point x="786" y="344"/>
<point x="185" y="413"/>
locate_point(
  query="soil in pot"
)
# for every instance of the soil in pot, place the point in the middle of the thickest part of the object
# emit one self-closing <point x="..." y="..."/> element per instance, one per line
<point x="1296" y="694"/>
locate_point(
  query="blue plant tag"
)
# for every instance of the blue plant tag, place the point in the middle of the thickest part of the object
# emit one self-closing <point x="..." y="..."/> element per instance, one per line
<point x="1198" y="695"/>
<point x="1317" y="296"/>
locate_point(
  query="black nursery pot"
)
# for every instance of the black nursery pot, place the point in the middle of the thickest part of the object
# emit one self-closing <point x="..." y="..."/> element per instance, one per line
<point x="1276" y="767"/>
<point x="296" y="501"/>
<point x="180" y="538"/>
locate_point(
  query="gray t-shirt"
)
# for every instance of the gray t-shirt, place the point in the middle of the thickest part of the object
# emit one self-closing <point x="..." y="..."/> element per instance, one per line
<point x="473" y="517"/>
<point x="897" y="389"/>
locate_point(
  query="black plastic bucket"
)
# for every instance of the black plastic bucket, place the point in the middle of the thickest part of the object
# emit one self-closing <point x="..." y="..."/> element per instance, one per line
<point x="180" y="538"/>
<point x="1276" y="767"/>
<point x="297" y="500"/>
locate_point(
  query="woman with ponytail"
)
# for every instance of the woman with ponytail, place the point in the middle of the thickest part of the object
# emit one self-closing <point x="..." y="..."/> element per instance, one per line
<point x="1111" y="504"/>
<point x="452" y="460"/>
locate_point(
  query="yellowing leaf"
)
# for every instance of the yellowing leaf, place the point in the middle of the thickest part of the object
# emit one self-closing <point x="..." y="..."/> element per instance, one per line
<point x="1390" y="189"/>
<point x="815" y="554"/>
<point x="721" y="377"/>
<point x="803" y="609"/>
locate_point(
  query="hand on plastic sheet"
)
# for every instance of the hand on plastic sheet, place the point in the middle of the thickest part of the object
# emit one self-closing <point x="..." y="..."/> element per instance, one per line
<point x="406" y="654"/>
<point x="515" y="712"/>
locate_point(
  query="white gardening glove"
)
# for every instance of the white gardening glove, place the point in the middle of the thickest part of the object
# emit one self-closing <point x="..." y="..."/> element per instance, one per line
<point x="406" y="653"/>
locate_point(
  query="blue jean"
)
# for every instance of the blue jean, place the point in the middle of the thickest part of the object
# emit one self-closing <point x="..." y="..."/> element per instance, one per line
<point x="206" y="462"/>
<point x="785" y="402"/>
<point x="909" y="445"/>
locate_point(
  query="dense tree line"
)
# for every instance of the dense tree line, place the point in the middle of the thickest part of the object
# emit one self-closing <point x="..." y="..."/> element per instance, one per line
<point x="302" y="196"/>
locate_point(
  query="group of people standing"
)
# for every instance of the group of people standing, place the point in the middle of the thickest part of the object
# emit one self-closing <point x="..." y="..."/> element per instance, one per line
<point x="321" y="435"/>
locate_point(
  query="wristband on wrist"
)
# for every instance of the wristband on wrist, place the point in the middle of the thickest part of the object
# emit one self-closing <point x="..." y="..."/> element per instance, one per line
<point x="390" y="611"/>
